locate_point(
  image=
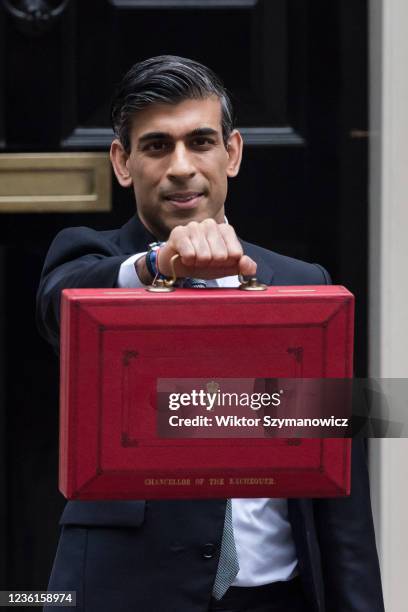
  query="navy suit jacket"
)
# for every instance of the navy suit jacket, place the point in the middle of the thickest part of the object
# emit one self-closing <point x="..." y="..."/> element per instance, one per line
<point x="153" y="556"/>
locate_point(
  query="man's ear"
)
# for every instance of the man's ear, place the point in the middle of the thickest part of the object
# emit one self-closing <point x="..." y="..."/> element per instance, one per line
<point x="119" y="157"/>
<point x="234" y="150"/>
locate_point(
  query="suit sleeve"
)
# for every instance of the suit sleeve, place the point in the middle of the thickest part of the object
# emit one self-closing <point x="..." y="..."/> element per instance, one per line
<point x="347" y="544"/>
<point x="78" y="258"/>
<point x="326" y="276"/>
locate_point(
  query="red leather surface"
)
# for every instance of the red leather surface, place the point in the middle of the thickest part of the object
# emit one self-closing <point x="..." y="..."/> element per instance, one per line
<point x="116" y="343"/>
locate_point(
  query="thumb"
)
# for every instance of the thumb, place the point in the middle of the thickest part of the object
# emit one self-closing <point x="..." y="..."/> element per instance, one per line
<point x="247" y="266"/>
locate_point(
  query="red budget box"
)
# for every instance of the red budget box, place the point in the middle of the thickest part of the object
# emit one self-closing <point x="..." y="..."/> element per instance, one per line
<point x="122" y="350"/>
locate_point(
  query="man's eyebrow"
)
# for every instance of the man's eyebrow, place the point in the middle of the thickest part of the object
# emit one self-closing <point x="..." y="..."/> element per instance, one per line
<point x="203" y="131"/>
<point x="154" y="136"/>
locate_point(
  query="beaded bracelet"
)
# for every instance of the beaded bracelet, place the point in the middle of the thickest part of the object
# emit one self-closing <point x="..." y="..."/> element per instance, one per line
<point x="151" y="260"/>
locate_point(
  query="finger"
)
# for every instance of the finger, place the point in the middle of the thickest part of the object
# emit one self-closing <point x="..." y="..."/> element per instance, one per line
<point x="203" y="255"/>
<point x="247" y="266"/>
<point x="179" y="242"/>
<point x="233" y="245"/>
<point x="216" y="243"/>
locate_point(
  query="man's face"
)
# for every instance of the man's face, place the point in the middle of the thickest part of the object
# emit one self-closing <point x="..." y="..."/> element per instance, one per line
<point x="179" y="165"/>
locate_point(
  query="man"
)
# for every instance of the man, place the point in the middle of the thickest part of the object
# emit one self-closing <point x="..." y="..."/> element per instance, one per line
<point x="176" y="147"/>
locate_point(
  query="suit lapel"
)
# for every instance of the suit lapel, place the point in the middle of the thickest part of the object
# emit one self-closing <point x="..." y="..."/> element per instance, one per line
<point x="134" y="237"/>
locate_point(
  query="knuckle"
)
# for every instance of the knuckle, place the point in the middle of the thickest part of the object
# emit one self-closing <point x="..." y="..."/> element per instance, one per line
<point x="177" y="233"/>
<point x="192" y="225"/>
<point x="227" y="228"/>
<point x="177" y="230"/>
<point x="209" y="222"/>
<point x="229" y="235"/>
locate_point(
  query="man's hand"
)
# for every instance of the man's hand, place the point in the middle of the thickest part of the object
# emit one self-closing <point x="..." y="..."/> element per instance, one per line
<point x="207" y="250"/>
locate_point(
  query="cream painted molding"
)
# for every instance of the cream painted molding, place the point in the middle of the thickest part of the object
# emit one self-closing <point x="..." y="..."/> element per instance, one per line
<point x="388" y="299"/>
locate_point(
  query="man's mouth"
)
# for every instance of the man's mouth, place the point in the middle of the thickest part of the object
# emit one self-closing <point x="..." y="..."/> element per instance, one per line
<point x="184" y="199"/>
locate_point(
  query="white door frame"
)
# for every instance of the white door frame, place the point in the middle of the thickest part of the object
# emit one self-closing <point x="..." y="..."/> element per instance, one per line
<point x="388" y="278"/>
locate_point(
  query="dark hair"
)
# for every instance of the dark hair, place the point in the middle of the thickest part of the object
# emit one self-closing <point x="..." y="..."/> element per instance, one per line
<point x="166" y="79"/>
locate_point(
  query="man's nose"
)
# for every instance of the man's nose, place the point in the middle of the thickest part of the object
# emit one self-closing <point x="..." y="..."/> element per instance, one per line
<point x="181" y="163"/>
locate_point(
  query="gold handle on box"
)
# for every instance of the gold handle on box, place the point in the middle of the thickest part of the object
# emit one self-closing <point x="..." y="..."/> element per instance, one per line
<point x="252" y="284"/>
<point x="164" y="285"/>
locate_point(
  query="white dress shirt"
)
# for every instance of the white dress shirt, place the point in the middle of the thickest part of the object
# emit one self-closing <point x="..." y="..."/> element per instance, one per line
<point x="263" y="536"/>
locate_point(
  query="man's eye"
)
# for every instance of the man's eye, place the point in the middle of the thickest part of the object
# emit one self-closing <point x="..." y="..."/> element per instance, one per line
<point x="156" y="146"/>
<point x="202" y="141"/>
